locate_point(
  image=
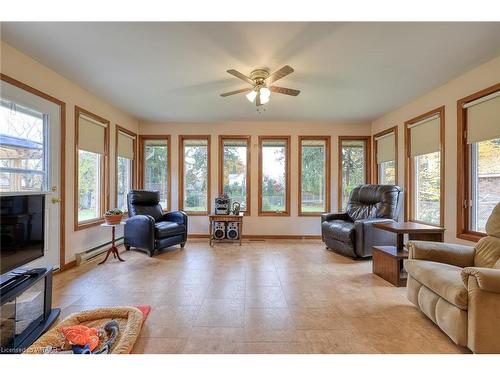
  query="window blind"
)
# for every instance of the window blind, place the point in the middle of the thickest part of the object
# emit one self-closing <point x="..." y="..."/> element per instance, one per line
<point x="91" y="135"/>
<point x="125" y="148"/>
<point x="386" y="148"/>
<point x="424" y="136"/>
<point x="483" y="119"/>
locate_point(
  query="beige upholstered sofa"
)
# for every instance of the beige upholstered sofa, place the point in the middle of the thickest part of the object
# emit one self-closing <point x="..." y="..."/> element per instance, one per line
<point x="458" y="287"/>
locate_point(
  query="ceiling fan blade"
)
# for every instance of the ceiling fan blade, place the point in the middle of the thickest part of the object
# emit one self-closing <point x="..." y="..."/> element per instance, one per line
<point x="236" y="92"/>
<point x="284" y="90"/>
<point x="257" y="99"/>
<point x="280" y="73"/>
<point x="240" y="76"/>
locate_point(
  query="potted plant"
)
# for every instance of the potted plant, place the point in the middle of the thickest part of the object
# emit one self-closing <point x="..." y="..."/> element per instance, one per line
<point x="113" y="216"/>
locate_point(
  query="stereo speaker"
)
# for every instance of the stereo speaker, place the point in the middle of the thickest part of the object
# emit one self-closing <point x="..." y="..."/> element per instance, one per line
<point x="219" y="230"/>
<point x="233" y="232"/>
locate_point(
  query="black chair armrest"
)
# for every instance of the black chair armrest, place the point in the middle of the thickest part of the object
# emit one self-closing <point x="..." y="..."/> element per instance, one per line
<point x="179" y="217"/>
<point x="368" y="236"/>
<point x="140" y="232"/>
<point x="334" y="216"/>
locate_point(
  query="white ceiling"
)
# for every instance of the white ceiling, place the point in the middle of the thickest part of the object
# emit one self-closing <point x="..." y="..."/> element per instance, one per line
<point x="174" y="72"/>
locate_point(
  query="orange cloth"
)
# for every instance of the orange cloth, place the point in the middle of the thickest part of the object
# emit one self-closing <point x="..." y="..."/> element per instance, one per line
<point x="81" y="335"/>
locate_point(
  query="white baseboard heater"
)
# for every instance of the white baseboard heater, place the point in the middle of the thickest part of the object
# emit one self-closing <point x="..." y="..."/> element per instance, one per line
<point x="89" y="254"/>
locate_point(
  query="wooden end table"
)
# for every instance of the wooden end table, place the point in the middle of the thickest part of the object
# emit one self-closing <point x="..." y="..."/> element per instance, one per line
<point x="388" y="264"/>
<point x="388" y="260"/>
<point x="415" y="231"/>
<point x="227" y="219"/>
<point x="113" y="249"/>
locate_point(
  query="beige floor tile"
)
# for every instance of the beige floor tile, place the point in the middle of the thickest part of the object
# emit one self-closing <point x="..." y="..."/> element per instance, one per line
<point x="286" y="296"/>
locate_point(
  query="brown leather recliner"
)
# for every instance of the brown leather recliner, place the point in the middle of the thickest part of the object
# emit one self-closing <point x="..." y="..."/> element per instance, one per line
<point x="458" y="287"/>
<point x="351" y="233"/>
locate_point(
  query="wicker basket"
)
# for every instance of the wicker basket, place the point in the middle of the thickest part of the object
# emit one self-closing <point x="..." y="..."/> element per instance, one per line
<point x="113" y="219"/>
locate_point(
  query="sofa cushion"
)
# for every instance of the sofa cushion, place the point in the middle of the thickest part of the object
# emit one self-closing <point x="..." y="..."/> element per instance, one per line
<point x="167" y="229"/>
<point x="339" y="230"/>
<point x="442" y="279"/>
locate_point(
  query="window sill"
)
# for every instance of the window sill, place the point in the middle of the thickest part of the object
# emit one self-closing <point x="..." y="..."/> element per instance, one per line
<point x="274" y="214"/>
<point x="471" y="236"/>
<point x="195" y="213"/>
<point x="87" y="224"/>
<point x="311" y="214"/>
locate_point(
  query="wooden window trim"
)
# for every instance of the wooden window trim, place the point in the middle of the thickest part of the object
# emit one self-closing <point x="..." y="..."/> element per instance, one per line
<point x="463" y="167"/>
<point x="182" y="138"/>
<point x="140" y="169"/>
<point x="286" y="138"/>
<point x="248" y="139"/>
<point x="62" y="146"/>
<point x="327" y="140"/>
<point x="119" y="129"/>
<point x="104" y="196"/>
<point x="368" y="164"/>
<point x="409" y="167"/>
<point x="375" y="166"/>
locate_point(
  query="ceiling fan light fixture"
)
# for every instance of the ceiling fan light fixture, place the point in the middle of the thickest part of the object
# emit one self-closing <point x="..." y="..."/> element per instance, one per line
<point x="265" y="93"/>
<point x="263" y="99"/>
<point x="251" y="96"/>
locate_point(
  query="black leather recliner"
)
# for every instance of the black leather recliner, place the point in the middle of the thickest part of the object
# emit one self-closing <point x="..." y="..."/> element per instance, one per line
<point x="351" y="233"/>
<point x="149" y="227"/>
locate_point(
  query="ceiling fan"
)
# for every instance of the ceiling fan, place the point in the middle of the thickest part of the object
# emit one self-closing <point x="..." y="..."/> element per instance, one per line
<point x="260" y="79"/>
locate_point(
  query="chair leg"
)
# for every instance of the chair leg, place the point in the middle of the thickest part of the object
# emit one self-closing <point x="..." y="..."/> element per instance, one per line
<point x="127" y="247"/>
<point x="182" y="245"/>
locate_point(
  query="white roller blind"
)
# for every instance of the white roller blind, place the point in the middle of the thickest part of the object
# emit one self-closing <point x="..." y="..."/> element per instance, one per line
<point x="91" y="135"/>
<point x="483" y="120"/>
<point x="386" y="148"/>
<point x="424" y="137"/>
<point x="125" y="147"/>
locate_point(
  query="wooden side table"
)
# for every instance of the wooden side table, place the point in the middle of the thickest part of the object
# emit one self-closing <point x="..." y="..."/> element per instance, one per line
<point x="388" y="264"/>
<point x="415" y="231"/>
<point x="113" y="249"/>
<point x="388" y="260"/>
<point x="238" y="219"/>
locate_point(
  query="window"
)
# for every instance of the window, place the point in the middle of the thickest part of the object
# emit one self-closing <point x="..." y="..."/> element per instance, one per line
<point x="155" y="162"/>
<point x="194" y="169"/>
<point x="234" y="172"/>
<point x="424" y="140"/>
<point x="23" y="149"/>
<point x="274" y="176"/>
<point x="125" y="165"/>
<point x="91" y="161"/>
<point x="386" y="156"/>
<point x="314" y="175"/>
<point x="354" y="154"/>
<point x="478" y="161"/>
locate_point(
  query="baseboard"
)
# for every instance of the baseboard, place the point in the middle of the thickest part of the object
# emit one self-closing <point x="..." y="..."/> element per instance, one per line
<point x="66" y="266"/>
<point x="265" y="236"/>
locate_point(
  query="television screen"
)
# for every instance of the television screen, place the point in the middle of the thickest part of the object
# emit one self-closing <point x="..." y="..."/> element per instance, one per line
<point x="21" y="230"/>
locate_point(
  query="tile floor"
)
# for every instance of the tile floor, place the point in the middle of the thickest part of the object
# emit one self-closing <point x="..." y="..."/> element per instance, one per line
<point x="280" y="296"/>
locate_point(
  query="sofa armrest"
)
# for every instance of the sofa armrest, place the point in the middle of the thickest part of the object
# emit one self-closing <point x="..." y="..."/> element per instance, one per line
<point x="334" y="216"/>
<point x="179" y="217"/>
<point x="140" y="232"/>
<point x="488" y="279"/>
<point x="456" y="255"/>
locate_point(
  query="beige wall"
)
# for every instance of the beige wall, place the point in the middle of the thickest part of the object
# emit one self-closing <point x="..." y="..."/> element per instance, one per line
<point x="23" y="68"/>
<point x="479" y="78"/>
<point x="254" y="224"/>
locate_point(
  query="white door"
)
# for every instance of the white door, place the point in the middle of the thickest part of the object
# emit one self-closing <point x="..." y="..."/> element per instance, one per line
<point x="30" y="127"/>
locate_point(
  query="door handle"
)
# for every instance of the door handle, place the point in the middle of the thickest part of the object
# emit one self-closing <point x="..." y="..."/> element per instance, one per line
<point x="56" y="200"/>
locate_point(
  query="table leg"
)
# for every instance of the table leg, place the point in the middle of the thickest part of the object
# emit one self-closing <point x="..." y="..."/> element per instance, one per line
<point x="113" y="249"/>
<point x="240" y="230"/>
<point x="400" y="241"/>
